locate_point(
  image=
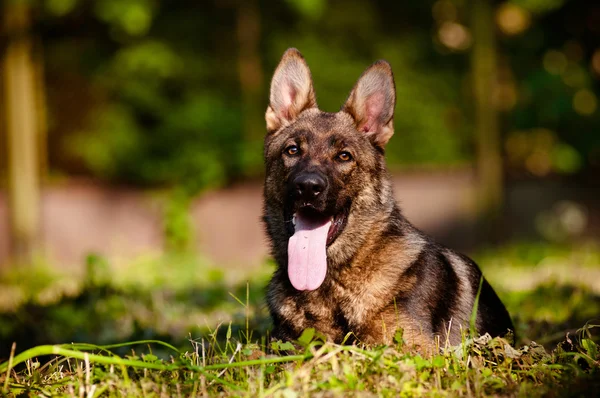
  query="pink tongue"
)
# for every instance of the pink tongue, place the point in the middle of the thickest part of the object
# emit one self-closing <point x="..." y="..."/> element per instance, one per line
<point x="307" y="260"/>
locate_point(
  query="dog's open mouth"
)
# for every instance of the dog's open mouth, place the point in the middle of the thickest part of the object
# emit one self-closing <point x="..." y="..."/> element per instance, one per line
<point x="308" y="214"/>
<point x="307" y="247"/>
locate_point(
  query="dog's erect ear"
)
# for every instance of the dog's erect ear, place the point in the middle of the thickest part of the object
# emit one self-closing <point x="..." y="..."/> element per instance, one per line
<point x="291" y="91"/>
<point x="371" y="103"/>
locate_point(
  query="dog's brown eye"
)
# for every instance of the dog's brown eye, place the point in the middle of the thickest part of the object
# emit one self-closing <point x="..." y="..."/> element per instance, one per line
<point x="292" y="150"/>
<point x="344" y="156"/>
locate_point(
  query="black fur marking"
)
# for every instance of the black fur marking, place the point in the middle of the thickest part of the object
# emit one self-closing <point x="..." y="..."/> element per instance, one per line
<point x="310" y="316"/>
<point x="447" y="293"/>
<point x="493" y="316"/>
<point x="412" y="300"/>
<point x="394" y="228"/>
<point x="431" y="267"/>
<point x="336" y="142"/>
<point x="341" y="321"/>
<point x="283" y="329"/>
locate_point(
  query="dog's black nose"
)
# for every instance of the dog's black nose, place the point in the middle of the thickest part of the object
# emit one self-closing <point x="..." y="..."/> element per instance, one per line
<point x="309" y="186"/>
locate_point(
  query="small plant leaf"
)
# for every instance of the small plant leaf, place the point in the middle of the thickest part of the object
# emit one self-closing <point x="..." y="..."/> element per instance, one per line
<point x="287" y="346"/>
<point x="398" y="337"/>
<point x="438" y="361"/>
<point x="150" y="358"/>
<point x="307" y="336"/>
<point x="421" y="362"/>
<point x="590" y="347"/>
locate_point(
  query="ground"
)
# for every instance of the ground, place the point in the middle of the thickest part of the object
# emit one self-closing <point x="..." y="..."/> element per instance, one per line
<point x="209" y="334"/>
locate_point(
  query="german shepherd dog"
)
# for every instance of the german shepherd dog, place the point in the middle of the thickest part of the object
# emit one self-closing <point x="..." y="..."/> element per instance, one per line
<point x="348" y="261"/>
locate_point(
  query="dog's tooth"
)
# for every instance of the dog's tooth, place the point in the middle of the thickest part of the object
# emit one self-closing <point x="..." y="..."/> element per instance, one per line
<point x="294" y="220"/>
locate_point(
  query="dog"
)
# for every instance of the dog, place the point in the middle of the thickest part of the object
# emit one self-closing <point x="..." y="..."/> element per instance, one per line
<point x="348" y="263"/>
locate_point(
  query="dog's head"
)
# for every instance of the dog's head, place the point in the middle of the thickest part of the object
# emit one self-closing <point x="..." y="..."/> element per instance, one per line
<point x="321" y="167"/>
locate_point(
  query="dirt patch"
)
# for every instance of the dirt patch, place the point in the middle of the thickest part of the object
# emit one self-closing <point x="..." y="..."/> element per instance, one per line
<point x="80" y="217"/>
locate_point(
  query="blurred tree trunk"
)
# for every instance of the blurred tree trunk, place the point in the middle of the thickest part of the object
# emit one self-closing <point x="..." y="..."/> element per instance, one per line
<point x="487" y="129"/>
<point x="22" y="125"/>
<point x="251" y="83"/>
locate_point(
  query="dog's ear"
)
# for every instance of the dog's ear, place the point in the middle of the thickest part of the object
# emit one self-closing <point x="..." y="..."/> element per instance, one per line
<point x="291" y="91"/>
<point x="371" y="103"/>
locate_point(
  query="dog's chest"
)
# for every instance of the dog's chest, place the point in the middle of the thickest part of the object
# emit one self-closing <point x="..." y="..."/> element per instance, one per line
<point x="326" y="312"/>
<point x="335" y="308"/>
<point x="348" y="301"/>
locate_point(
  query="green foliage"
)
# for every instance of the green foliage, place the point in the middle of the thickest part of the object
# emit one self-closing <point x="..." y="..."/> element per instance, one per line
<point x="132" y="17"/>
<point x="167" y="297"/>
<point x="539" y="6"/>
<point x="112" y="143"/>
<point x="157" y="98"/>
<point x="178" y="228"/>
<point x="60" y="7"/>
<point x="312" y="9"/>
<point x="548" y="289"/>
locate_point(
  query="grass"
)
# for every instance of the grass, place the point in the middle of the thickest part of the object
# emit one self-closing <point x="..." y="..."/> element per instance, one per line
<point x="480" y="366"/>
<point x="231" y="354"/>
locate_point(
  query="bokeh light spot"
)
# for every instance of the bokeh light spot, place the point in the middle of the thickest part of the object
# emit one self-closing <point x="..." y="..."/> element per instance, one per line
<point x="566" y="220"/>
<point x="575" y="76"/>
<point x="541" y="152"/>
<point x="60" y="7"/>
<point x="555" y="62"/>
<point x="512" y="19"/>
<point x="573" y="50"/>
<point x="455" y="36"/>
<point x="505" y="96"/>
<point x="585" y="102"/>
<point x="444" y="10"/>
<point x="566" y="159"/>
<point x="539" y="163"/>
<point x="595" y="64"/>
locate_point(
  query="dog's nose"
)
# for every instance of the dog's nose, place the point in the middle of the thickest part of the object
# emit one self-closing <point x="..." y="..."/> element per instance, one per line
<point x="309" y="186"/>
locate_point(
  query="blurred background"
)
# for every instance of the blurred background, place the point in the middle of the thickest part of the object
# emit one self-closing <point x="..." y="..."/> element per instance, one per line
<point x="131" y="153"/>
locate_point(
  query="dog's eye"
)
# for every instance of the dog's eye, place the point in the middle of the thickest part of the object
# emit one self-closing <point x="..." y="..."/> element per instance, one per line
<point x="344" y="156"/>
<point x="292" y="150"/>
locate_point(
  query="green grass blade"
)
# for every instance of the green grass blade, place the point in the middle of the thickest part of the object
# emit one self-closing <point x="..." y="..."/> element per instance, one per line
<point x="59" y="350"/>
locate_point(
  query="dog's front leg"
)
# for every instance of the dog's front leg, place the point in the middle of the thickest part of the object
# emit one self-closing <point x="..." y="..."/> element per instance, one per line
<point x="383" y="326"/>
